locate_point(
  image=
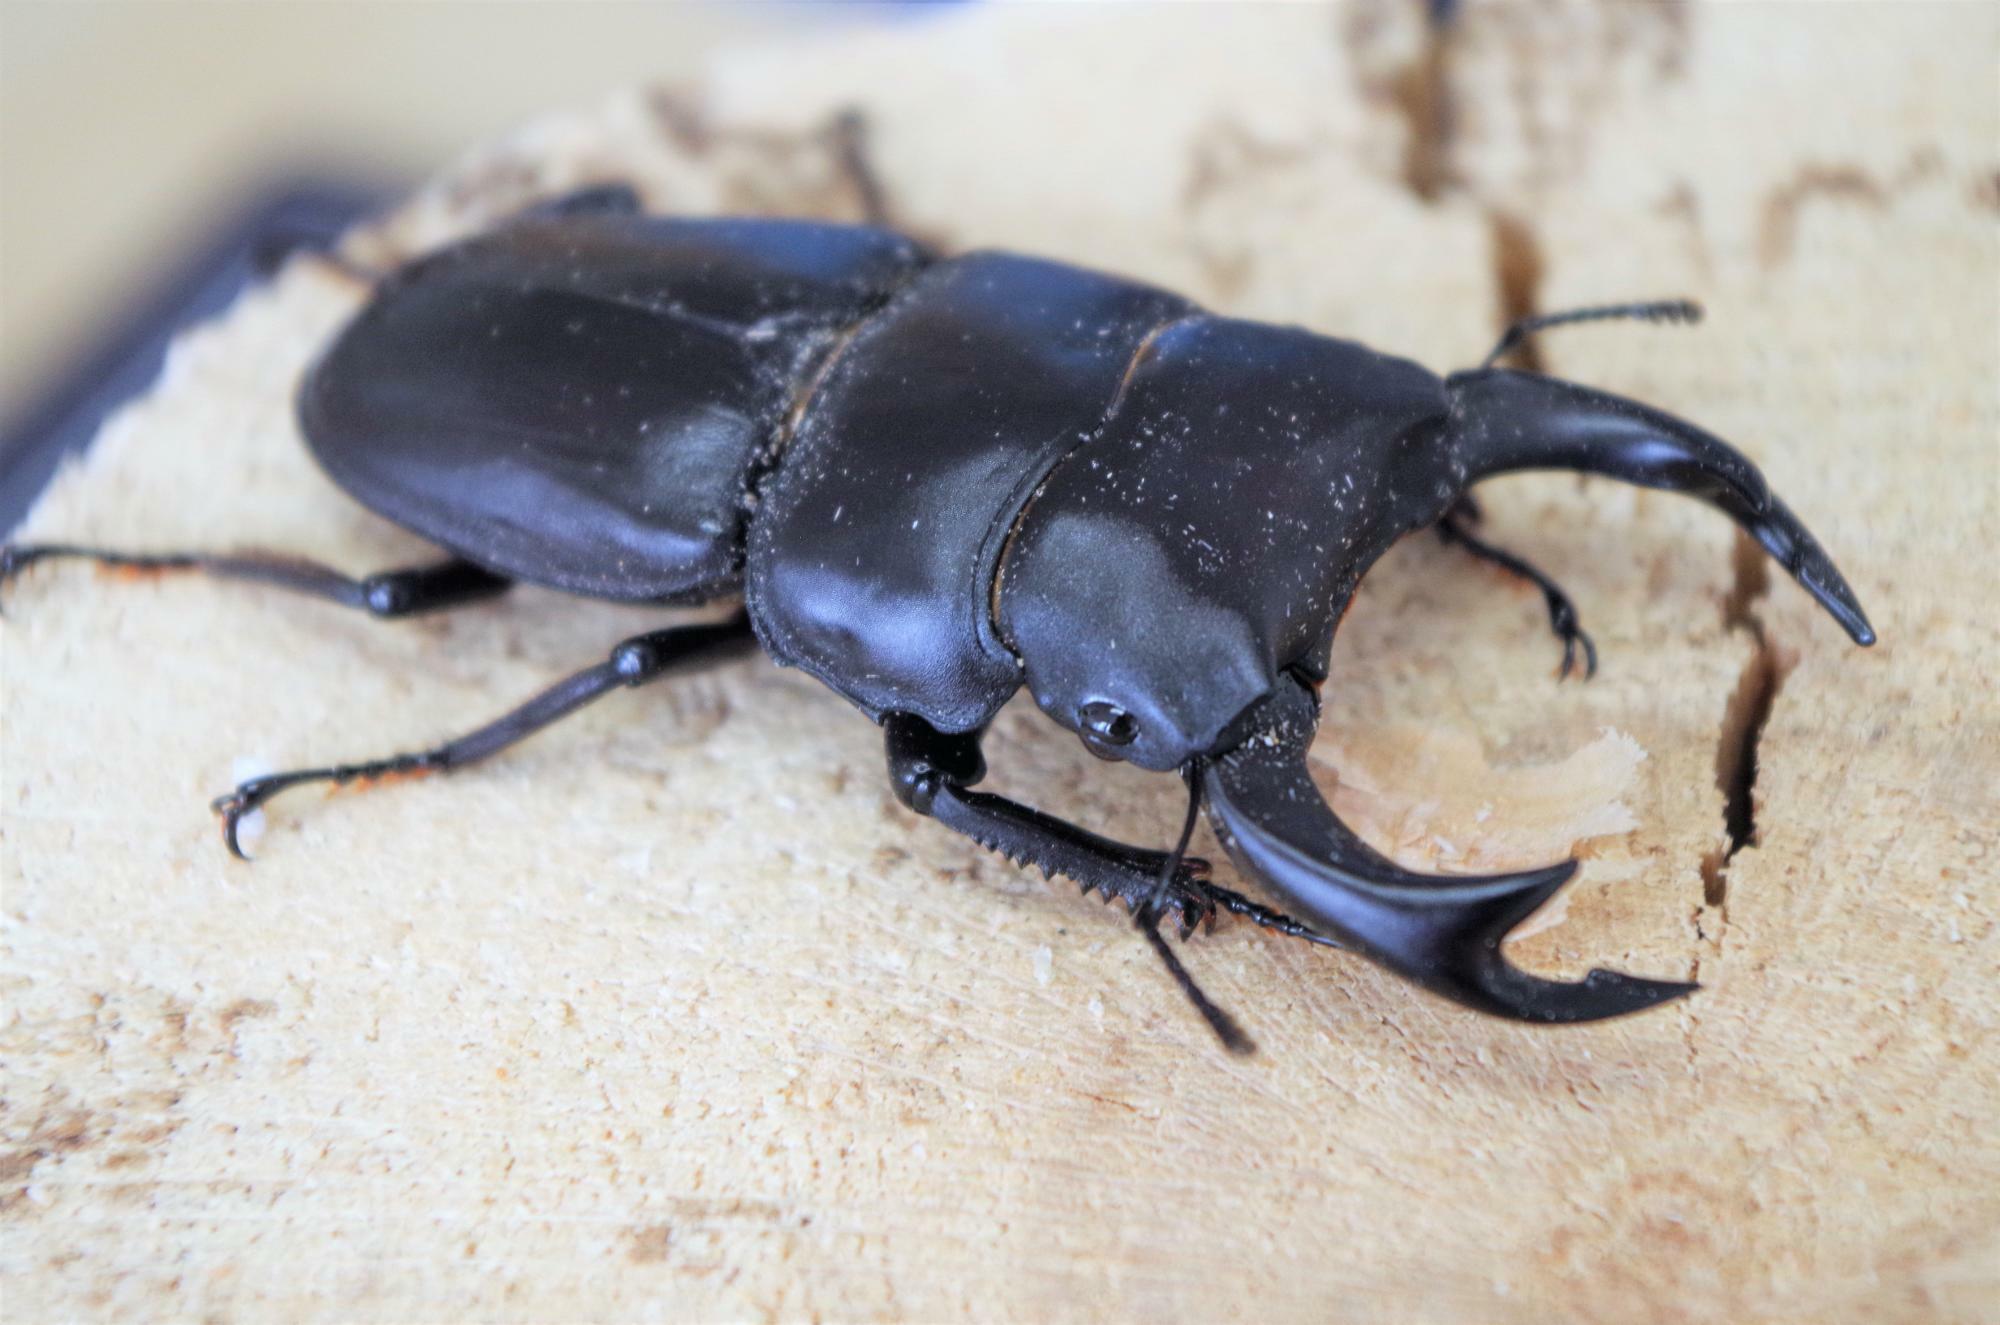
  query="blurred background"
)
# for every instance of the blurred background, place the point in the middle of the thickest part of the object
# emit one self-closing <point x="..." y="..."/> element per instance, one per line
<point x="136" y="136"/>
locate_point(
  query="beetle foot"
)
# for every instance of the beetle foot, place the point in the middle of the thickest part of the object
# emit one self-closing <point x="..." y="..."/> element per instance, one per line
<point x="1562" y="611"/>
<point x="1195" y="899"/>
<point x="1136" y="877"/>
<point x="231" y="807"/>
<point x="1562" y="618"/>
<point x="17" y="557"/>
<point x="1236" y="904"/>
<point x="248" y="797"/>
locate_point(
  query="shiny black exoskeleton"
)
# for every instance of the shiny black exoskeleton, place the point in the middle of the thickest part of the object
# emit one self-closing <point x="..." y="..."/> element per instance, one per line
<point x="933" y="480"/>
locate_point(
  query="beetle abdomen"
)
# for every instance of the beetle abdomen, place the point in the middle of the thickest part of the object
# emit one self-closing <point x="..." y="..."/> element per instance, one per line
<point x="579" y="401"/>
<point x="872" y="554"/>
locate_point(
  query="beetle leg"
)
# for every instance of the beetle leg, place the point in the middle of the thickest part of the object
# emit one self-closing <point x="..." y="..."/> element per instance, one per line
<point x="395" y="593"/>
<point x="931" y="769"/>
<point x="638" y="660"/>
<point x="1562" y="612"/>
<point x="1236" y="904"/>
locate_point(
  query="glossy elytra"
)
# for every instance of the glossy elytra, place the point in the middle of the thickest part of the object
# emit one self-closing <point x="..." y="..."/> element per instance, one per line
<point x="935" y="480"/>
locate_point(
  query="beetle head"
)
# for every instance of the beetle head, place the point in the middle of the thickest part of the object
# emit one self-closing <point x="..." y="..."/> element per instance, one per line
<point x="1207" y="536"/>
<point x="1116" y="646"/>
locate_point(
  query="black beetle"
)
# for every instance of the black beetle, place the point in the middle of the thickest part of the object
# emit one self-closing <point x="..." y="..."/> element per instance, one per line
<point x="932" y="480"/>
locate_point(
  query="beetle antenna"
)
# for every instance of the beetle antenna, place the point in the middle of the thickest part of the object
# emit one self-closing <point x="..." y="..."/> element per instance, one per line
<point x="1149" y="914"/>
<point x="1225" y="1027"/>
<point x="1147" y="918"/>
<point x="1661" y="310"/>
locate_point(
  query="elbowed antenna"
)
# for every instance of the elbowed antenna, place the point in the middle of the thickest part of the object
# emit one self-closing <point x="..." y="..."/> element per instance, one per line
<point x="1657" y="310"/>
<point x="1502" y="420"/>
<point x="1441" y="931"/>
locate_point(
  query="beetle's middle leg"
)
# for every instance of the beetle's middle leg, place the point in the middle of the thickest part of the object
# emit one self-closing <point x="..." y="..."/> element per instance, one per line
<point x="638" y="660"/>
<point x="931" y="772"/>
<point x="393" y="593"/>
<point x="1455" y="527"/>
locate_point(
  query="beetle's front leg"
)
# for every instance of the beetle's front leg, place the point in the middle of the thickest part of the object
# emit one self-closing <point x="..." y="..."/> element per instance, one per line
<point x="931" y="772"/>
<point x="1455" y="527"/>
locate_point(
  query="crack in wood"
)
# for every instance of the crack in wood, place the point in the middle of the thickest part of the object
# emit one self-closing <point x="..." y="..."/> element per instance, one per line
<point x="1459" y="81"/>
<point x="847" y="137"/>
<point x="1421" y="94"/>
<point x="1407" y="78"/>
<point x="826" y="172"/>
<point x="1837" y="181"/>
<point x="1517" y="279"/>
<point x="1744" y="720"/>
<point x="1743" y="724"/>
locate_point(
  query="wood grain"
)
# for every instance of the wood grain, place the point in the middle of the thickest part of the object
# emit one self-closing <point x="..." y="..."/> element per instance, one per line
<point x="675" y="1013"/>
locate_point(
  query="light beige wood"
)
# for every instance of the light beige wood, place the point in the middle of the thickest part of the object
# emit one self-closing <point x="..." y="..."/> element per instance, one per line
<point x="675" y="1013"/>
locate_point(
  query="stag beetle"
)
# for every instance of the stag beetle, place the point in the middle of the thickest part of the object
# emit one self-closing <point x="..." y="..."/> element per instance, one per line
<point x="933" y="480"/>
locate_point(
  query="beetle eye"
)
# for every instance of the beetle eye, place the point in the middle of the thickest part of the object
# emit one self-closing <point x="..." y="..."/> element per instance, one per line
<point x="1105" y="724"/>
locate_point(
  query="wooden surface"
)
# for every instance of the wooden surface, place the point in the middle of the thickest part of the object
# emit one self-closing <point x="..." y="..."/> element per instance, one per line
<point x="675" y="1013"/>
